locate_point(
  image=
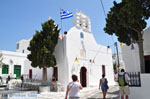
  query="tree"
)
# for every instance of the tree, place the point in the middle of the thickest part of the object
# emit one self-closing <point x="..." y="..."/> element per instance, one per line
<point x="127" y="20"/>
<point x="42" y="47"/>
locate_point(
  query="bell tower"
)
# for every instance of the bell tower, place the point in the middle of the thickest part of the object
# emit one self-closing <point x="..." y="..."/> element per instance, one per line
<point x="81" y="21"/>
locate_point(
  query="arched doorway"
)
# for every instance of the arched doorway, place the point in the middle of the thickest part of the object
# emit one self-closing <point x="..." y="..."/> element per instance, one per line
<point x="83" y="76"/>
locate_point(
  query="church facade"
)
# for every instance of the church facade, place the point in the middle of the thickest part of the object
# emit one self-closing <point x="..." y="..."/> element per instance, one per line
<point x="82" y="55"/>
<point x="76" y="53"/>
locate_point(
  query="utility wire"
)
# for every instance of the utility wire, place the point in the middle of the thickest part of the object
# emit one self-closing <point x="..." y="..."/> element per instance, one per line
<point x="105" y="18"/>
<point x="103" y="8"/>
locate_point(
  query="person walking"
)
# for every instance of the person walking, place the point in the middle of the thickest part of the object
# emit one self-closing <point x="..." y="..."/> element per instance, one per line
<point x="123" y="79"/>
<point x="74" y="88"/>
<point x="1" y="80"/>
<point x="53" y="87"/>
<point x="104" y="85"/>
<point x="22" y="81"/>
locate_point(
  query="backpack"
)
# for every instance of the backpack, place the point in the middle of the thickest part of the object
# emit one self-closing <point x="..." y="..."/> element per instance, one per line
<point x="104" y="85"/>
<point x="121" y="80"/>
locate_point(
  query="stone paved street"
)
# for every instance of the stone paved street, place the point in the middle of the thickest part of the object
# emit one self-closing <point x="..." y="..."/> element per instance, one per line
<point x="86" y="93"/>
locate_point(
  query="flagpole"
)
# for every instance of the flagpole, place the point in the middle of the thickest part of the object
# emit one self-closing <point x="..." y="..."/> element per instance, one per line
<point x="61" y="26"/>
<point x="61" y="22"/>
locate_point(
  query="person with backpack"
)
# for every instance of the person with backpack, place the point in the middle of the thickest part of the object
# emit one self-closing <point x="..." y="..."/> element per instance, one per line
<point x="104" y="85"/>
<point x="123" y="79"/>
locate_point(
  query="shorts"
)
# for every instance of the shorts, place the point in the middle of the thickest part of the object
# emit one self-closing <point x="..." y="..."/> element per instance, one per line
<point x="124" y="90"/>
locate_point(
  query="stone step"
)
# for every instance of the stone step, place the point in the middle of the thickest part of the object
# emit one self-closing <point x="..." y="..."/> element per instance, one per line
<point x="44" y="89"/>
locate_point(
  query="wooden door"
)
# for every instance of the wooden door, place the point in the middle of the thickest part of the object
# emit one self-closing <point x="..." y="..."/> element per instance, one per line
<point x="83" y="76"/>
<point x="17" y="70"/>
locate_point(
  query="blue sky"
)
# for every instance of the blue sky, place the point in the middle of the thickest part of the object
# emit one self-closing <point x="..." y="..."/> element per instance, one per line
<point x="20" y="18"/>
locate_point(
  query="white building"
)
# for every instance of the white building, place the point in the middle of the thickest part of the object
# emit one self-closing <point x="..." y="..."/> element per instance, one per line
<point x="133" y="55"/>
<point x="76" y="53"/>
<point x="14" y="63"/>
<point x="132" y="64"/>
<point x="79" y="43"/>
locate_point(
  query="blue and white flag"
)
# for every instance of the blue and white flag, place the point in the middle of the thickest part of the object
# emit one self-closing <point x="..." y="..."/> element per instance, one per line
<point x="65" y="14"/>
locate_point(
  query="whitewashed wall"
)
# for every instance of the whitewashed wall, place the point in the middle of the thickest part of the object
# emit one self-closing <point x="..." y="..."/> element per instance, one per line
<point x="37" y="72"/>
<point x="131" y="57"/>
<point x="61" y="60"/>
<point x="143" y="91"/>
<point x="23" y="45"/>
<point x="94" y="70"/>
<point x="132" y="64"/>
<point x="103" y="57"/>
<point x="146" y="43"/>
<point x="21" y="59"/>
<point x="16" y="58"/>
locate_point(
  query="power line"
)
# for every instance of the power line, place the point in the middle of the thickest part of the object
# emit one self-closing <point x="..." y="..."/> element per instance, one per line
<point x="103" y="8"/>
<point x="105" y="17"/>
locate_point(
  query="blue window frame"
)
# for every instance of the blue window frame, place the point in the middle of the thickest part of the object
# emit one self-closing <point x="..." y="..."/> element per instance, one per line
<point x="81" y="35"/>
<point x="23" y="51"/>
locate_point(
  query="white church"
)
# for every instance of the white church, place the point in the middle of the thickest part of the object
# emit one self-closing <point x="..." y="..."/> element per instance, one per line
<point x="76" y="53"/>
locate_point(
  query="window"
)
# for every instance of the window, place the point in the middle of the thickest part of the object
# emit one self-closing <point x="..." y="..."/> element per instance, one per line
<point x="86" y="25"/>
<point x="5" y="69"/>
<point x="135" y="79"/>
<point x="30" y="73"/>
<point x="82" y="53"/>
<point x="80" y="23"/>
<point x="81" y="35"/>
<point x="23" y="51"/>
<point x="17" y="45"/>
<point x="103" y="70"/>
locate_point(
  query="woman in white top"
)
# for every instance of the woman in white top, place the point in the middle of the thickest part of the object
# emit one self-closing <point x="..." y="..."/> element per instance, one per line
<point x="73" y="88"/>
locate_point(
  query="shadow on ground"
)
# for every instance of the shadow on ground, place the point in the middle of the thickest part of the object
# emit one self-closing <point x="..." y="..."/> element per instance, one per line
<point x="110" y="93"/>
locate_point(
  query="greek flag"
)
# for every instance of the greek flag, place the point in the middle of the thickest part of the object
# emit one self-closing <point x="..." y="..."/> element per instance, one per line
<point x="65" y="14"/>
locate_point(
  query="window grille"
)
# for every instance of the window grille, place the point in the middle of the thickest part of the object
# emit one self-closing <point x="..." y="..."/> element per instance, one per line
<point x="135" y="79"/>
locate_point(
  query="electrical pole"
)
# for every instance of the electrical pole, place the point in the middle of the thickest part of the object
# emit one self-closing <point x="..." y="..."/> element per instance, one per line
<point x="117" y="55"/>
